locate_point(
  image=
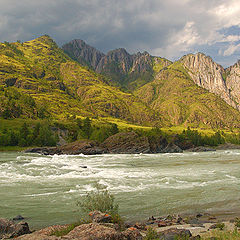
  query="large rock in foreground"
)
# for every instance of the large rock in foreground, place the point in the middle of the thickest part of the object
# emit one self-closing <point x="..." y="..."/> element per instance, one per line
<point x="88" y="232"/>
<point x="9" y="229"/>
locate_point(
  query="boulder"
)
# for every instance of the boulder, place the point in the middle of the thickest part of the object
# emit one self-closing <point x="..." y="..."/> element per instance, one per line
<point x="89" y="231"/>
<point x="172" y="148"/>
<point x="86" y="147"/>
<point x="8" y="229"/>
<point x="18" y="218"/>
<point x="101" y="232"/>
<point x="99" y="217"/>
<point x="127" y="142"/>
<point x="174" y="233"/>
<point x="201" y="149"/>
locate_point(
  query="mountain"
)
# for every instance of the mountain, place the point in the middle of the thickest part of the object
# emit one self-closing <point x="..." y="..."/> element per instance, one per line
<point x="40" y="71"/>
<point x="175" y="96"/>
<point x="38" y="80"/>
<point x="121" y="68"/>
<point x="83" y="53"/>
<point x="232" y="76"/>
<point x="209" y="75"/>
<point x="194" y="90"/>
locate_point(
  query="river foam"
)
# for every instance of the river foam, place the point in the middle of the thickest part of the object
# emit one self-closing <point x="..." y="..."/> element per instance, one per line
<point x="157" y="182"/>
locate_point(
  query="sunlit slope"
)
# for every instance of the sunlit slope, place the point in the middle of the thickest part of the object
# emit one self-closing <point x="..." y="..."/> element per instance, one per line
<point x="181" y="102"/>
<point x="41" y="69"/>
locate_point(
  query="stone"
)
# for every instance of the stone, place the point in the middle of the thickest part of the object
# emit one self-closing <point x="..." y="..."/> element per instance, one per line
<point x="18" y="218"/>
<point x="162" y="224"/>
<point x="99" y="217"/>
<point x="10" y="229"/>
<point x="127" y="142"/>
<point x="97" y="231"/>
<point x="174" y="233"/>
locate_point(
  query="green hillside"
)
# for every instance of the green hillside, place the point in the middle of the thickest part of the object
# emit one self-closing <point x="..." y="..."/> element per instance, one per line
<point x="38" y="80"/>
<point x="181" y="102"/>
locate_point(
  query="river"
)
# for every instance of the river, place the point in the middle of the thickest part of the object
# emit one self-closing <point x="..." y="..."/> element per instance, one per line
<point x="45" y="189"/>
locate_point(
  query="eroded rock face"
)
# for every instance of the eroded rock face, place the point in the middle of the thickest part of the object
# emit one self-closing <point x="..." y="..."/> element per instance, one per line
<point x="233" y="82"/>
<point x="142" y="62"/>
<point x="208" y="74"/>
<point x="118" y="60"/>
<point x="8" y="229"/>
<point x="92" y="231"/>
<point x="83" y="53"/>
<point x="127" y="142"/>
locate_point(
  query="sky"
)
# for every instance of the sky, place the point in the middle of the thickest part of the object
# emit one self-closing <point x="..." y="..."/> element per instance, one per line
<point x="166" y="28"/>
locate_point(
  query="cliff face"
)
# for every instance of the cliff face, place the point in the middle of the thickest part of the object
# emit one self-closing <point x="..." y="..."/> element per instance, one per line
<point x="122" y="68"/>
<point x="233" y="82"/>
<point x="209" y="75"/>
<point x="142" y="63"/>
<point x="83" y="53"/>
<point x="120" y="58"/>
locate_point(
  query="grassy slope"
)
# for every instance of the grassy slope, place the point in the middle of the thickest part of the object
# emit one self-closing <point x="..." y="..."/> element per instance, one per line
<point x="175" y="96"/>
<point x="42" y="70"/>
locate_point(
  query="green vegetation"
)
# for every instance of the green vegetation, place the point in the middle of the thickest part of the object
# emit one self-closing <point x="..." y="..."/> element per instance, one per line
<point x="222" y="235"/>
<point x="38" y="135"/>
<point x="180" y="102"/>
<point x="68" y="228"/>
<point x="237" y="223"/>
<point x="151" y="234"/>
<point x="39" y="82"/>
<point x="197" y="139"/>
<point x="99" y="199"/>
<point x="220" y="225"/>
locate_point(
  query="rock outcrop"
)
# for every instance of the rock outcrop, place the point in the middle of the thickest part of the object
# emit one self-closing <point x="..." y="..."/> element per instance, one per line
<point x="127" y="142"/>
<point x="118" y="60"/>
<point x="85" y="147"/>
<point x="120" y="143"/>
<point x="233" y="82"/>
<point x="88" y="232"/>
<point x="83" y="53"/>
<point x="209" y="75"/>
<point x="9" y="229"/>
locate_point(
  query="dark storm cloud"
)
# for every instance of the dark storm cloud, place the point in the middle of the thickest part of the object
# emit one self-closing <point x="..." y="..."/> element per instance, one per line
<point x="166" y="28"/>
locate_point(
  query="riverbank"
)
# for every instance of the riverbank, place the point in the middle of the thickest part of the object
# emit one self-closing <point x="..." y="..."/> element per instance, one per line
<point x="170" y="227"/>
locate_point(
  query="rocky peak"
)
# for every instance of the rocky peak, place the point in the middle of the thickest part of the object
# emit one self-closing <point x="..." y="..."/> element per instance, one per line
<point x="119" y="57"/>
<point x="142" y="62"/>
<point x="207" y="74"/>
<point x="233" y="82"/>
<point x="83" y="53"/>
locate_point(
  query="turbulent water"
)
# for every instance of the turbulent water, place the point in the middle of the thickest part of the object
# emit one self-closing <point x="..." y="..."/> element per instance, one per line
<point x="45" y="189"/>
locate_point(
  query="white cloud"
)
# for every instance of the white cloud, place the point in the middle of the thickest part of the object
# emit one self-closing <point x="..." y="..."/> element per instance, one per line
<point x="167" y="28"/>
<point x="231" y="50"/>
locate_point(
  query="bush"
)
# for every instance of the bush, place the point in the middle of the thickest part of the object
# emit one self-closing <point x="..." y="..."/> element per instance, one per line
<point x="220" y="225"/>
<point x="151" y="234"/>
<point x="69" y="228"/>
<point x="237" y="223"/>
<point x="99" y="199"/>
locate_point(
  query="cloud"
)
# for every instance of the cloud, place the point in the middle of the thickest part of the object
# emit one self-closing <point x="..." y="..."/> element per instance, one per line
<point x="231" y="50"/>
<point x="166" y="28"/>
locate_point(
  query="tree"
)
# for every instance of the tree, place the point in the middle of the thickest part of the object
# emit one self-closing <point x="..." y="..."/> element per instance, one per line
<point x="87" y="127"/>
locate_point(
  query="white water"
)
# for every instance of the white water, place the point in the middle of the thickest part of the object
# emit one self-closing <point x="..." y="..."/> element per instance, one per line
<point x="44" y="189"/>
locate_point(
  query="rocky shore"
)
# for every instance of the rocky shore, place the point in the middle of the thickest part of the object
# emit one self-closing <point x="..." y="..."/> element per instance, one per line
<point x="120" y="143"/>
<point x="101" y="227"/>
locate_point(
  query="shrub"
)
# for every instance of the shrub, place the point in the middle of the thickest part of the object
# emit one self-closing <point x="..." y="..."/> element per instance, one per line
<point x="99" y="199"/>
<point x="151" y="234"/>
<point x="68" y="228"/>
<point x="220" y="225"/>
<point x="237" y="223"/>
